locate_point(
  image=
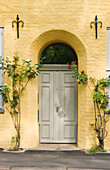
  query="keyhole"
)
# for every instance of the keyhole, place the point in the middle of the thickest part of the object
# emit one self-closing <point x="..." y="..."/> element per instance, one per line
<point x="57" y="108"/>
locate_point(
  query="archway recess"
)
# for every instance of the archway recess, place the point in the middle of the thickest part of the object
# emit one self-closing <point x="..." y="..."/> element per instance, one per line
<point x="58" y="101"/>
<point x="53" y="36"/>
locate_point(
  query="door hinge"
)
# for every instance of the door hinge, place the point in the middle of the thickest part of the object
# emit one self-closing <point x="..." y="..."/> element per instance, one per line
<point x="38" y="115"/>
<point x="38" y="98"/>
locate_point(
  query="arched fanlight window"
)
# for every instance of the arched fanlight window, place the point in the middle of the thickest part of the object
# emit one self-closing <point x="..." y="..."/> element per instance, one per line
<point x="58" y="53"/>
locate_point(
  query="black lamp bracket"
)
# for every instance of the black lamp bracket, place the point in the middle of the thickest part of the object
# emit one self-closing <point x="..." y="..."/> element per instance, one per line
<point x="96" y="22"/>
<point x="17" y="22"/>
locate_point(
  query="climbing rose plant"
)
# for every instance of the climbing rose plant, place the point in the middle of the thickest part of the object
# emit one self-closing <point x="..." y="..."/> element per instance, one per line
<point x="100" y="100"/>
<point x="20" y="75"/>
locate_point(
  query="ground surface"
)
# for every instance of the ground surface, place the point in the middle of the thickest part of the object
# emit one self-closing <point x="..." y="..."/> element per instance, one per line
<point x="56" y="160"/>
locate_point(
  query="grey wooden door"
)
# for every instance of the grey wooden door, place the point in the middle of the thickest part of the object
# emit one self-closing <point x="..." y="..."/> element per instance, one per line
<point x="57" y="107"/>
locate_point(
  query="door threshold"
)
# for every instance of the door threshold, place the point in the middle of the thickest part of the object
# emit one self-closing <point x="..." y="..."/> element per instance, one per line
<point x="57" y="147"/>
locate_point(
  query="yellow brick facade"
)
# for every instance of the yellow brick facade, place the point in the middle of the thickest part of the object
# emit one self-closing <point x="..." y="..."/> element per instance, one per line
<point x="45" y="22"/>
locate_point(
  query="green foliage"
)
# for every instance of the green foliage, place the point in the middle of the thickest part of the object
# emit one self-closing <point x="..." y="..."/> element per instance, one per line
<point x="13" y="138"/>
<point x="107" y="112"/>
<point x="91" y="124"/>
<point x="100" y="99"/>
<point x="22" y="149"/>
<point x="99" y="93"/>
<point x="58" y="53"/>
<point x="19" y="74"/>
<point x="95" y="149"/>
<point x="82" y="78"/>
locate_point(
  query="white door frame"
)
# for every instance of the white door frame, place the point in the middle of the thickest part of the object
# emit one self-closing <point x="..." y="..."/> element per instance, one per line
<point x="58" y="67"/>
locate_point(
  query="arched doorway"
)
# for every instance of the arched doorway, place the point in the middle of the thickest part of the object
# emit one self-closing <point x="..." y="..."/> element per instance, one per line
<point x="57" y="95"/>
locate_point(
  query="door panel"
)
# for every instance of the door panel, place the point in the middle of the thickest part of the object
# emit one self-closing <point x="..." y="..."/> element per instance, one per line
<point x="69" y="103"/>
<point x="68" y="86"/>
<point x="45" y="104"/>
<point x="46" y="107"/>
<point x="57" y="107"/>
